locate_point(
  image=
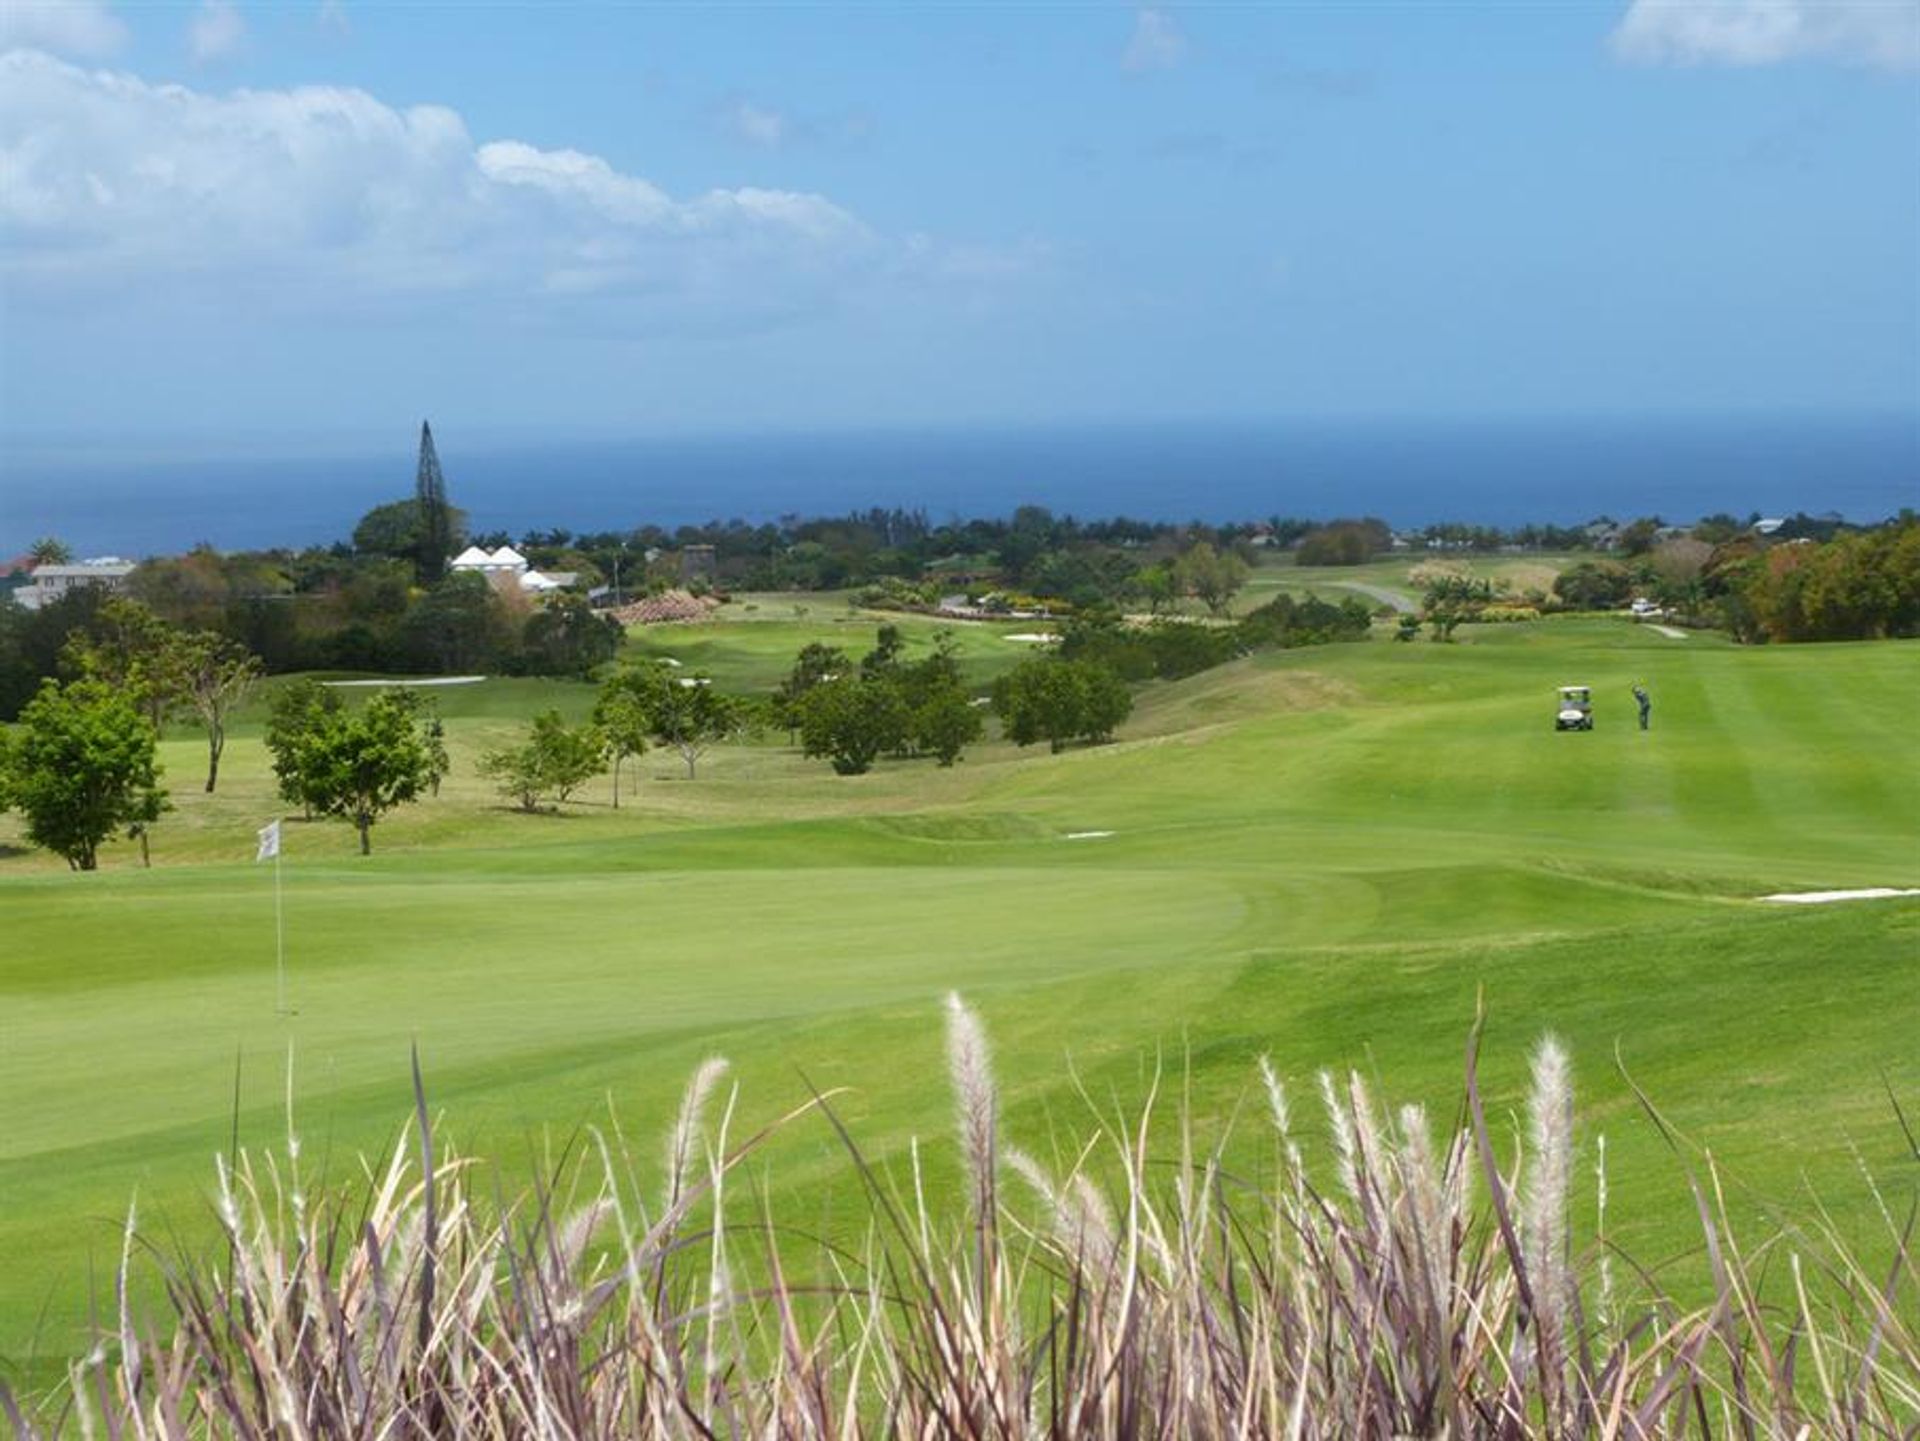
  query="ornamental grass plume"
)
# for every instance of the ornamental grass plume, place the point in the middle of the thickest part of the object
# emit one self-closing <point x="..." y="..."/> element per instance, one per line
<point x="970" y="1071"/>
<point x="1156" y="1293"/>
<point x="1549" y="1178"/>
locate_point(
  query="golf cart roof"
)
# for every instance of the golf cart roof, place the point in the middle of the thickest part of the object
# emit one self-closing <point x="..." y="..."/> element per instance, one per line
<point x="1570" y="689"/>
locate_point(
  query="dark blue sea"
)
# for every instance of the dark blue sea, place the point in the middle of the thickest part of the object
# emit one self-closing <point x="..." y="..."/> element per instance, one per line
<point x="135" y="500"/>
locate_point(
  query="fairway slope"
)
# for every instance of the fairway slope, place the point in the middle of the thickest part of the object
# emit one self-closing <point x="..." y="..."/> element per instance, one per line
<point x="1331" y="855"/>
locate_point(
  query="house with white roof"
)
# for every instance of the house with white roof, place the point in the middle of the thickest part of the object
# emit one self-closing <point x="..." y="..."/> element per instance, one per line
<point x="507" y="566"/>
<point x="504" y="561"/>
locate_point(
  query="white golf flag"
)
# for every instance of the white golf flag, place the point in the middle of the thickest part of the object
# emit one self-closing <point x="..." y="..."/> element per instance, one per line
<point x="269" y="842"/>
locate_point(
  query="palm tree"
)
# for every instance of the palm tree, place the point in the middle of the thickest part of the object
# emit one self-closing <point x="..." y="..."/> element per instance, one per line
<point x="50" y="550"/>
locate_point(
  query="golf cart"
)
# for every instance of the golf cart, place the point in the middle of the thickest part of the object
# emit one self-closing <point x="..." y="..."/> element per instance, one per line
<point x="1576" y="709"/>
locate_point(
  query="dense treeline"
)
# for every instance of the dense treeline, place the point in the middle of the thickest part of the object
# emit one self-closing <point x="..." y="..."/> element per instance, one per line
<point x="373" y="604"/>
<point x="1860" y="585"/>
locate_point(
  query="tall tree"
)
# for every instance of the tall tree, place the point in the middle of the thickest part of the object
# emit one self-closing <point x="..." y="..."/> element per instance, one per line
<point x="218" y="675"/>
<point x="50" y="550"/>
<point x="430" y="493"/>
<point x="83" y="766"/>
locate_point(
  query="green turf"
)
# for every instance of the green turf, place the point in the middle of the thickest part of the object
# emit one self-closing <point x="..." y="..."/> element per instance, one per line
<point x="1322" y="853"/>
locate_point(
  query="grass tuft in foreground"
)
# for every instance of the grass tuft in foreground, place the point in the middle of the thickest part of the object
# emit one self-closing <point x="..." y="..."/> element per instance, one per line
<point x="1432" y="1289"/>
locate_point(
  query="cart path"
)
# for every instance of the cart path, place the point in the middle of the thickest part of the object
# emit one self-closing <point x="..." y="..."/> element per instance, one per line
<point x="419" y="681"/>
<point x="1380" y="593"/>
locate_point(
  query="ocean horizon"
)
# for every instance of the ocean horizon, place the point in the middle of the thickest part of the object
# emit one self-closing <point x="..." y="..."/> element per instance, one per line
<point x="138" y="501"/>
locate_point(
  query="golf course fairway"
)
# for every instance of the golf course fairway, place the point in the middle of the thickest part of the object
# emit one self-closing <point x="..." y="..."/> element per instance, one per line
<point x="1326" y="855"/>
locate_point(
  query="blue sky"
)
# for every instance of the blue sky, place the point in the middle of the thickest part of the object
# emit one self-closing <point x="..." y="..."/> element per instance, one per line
<point x="325" y="220"/>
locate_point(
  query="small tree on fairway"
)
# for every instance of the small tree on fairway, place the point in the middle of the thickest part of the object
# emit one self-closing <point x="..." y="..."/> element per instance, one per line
<point x="1157" y="585"/>
<point x="946" y="723"/>
<point x="942" y="720"/>
<point x="147" y="809"/>
<point x="1105" y="701"/>
<point x="888" y="646"/>
<point x="623" y="715"/>
<point x="218" y="675"/>
<point x="437" y="762"/>
<point x="361" y="764"/>
<point x="815" y="664"/>
<point x="686" y="714"/>
<point x="554" y="757"/>
<point x="852" y="720"/>
<point x="81" y="767"/>
<point x="1215" y="577"/>
<point x="297" y="710"/>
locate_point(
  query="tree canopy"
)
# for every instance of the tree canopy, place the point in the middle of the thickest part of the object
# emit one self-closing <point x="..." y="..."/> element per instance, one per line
<point x="1055" y="700"/>
<point x="82" y="766"/>
<point x="553" y="758"/>
<point x="362" y="764"/>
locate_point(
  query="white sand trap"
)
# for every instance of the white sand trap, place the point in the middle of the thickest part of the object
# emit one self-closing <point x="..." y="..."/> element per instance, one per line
<point x="1670" y="632"/>
<point x="1033" y="637"/>
<point x="1087" y="835"/>
<point x="425" y="680"/>
<point x="1821" y="898"/>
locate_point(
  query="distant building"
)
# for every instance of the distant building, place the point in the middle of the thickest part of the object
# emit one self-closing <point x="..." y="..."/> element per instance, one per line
<point x="47" y="583"/>
<point x="507" y="567"/>
<point x="1769" y="525"/>
<point x="697" y="563"/>
<point x="504" y="561"/>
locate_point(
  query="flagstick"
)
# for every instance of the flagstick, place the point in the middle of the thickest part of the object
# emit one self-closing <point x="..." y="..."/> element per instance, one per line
<point x="279" y="939"/>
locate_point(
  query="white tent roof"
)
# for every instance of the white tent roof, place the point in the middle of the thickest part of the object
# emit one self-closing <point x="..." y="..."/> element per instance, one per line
<point x="507" y="555"/>
<point x="533" y="580"/>
<point x="472" y="555"/>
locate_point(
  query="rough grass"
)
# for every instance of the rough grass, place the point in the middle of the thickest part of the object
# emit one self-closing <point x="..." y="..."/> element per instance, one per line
<point x="1138" y="1277"/>
<point x="1325" y="853"/>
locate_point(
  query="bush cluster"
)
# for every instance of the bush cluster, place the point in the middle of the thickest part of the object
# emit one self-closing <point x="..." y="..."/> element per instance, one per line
<point x="887" y="705"/>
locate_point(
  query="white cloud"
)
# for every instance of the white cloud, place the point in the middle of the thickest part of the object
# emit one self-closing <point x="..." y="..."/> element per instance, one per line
<point x="755" y="124"/>
<point x="65" y="27"/>
<point x="324" y="194"/>
<point x="1156" y="44"/>
<point x="216" y="32"/>
<point x="1882" y="33"/>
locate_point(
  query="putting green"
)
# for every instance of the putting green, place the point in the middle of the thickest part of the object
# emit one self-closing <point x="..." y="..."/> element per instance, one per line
<point x="1322" y="853"/>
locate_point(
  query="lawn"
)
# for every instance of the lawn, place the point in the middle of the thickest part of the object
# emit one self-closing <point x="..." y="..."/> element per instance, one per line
<point x="1326" y="854"/>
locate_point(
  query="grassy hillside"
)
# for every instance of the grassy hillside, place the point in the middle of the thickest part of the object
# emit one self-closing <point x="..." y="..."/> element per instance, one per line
<point x="1323" y="854"/>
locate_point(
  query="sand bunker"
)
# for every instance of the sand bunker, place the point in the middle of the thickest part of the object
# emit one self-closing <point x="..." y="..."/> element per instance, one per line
<point x="1034" y="637"/>
<point x="1087" y="835"/>
<point x="1820" y="898"/>
<point x="1671" y="632"/>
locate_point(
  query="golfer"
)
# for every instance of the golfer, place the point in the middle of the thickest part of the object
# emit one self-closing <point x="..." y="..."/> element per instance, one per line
<point x="1645" y="703"/>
